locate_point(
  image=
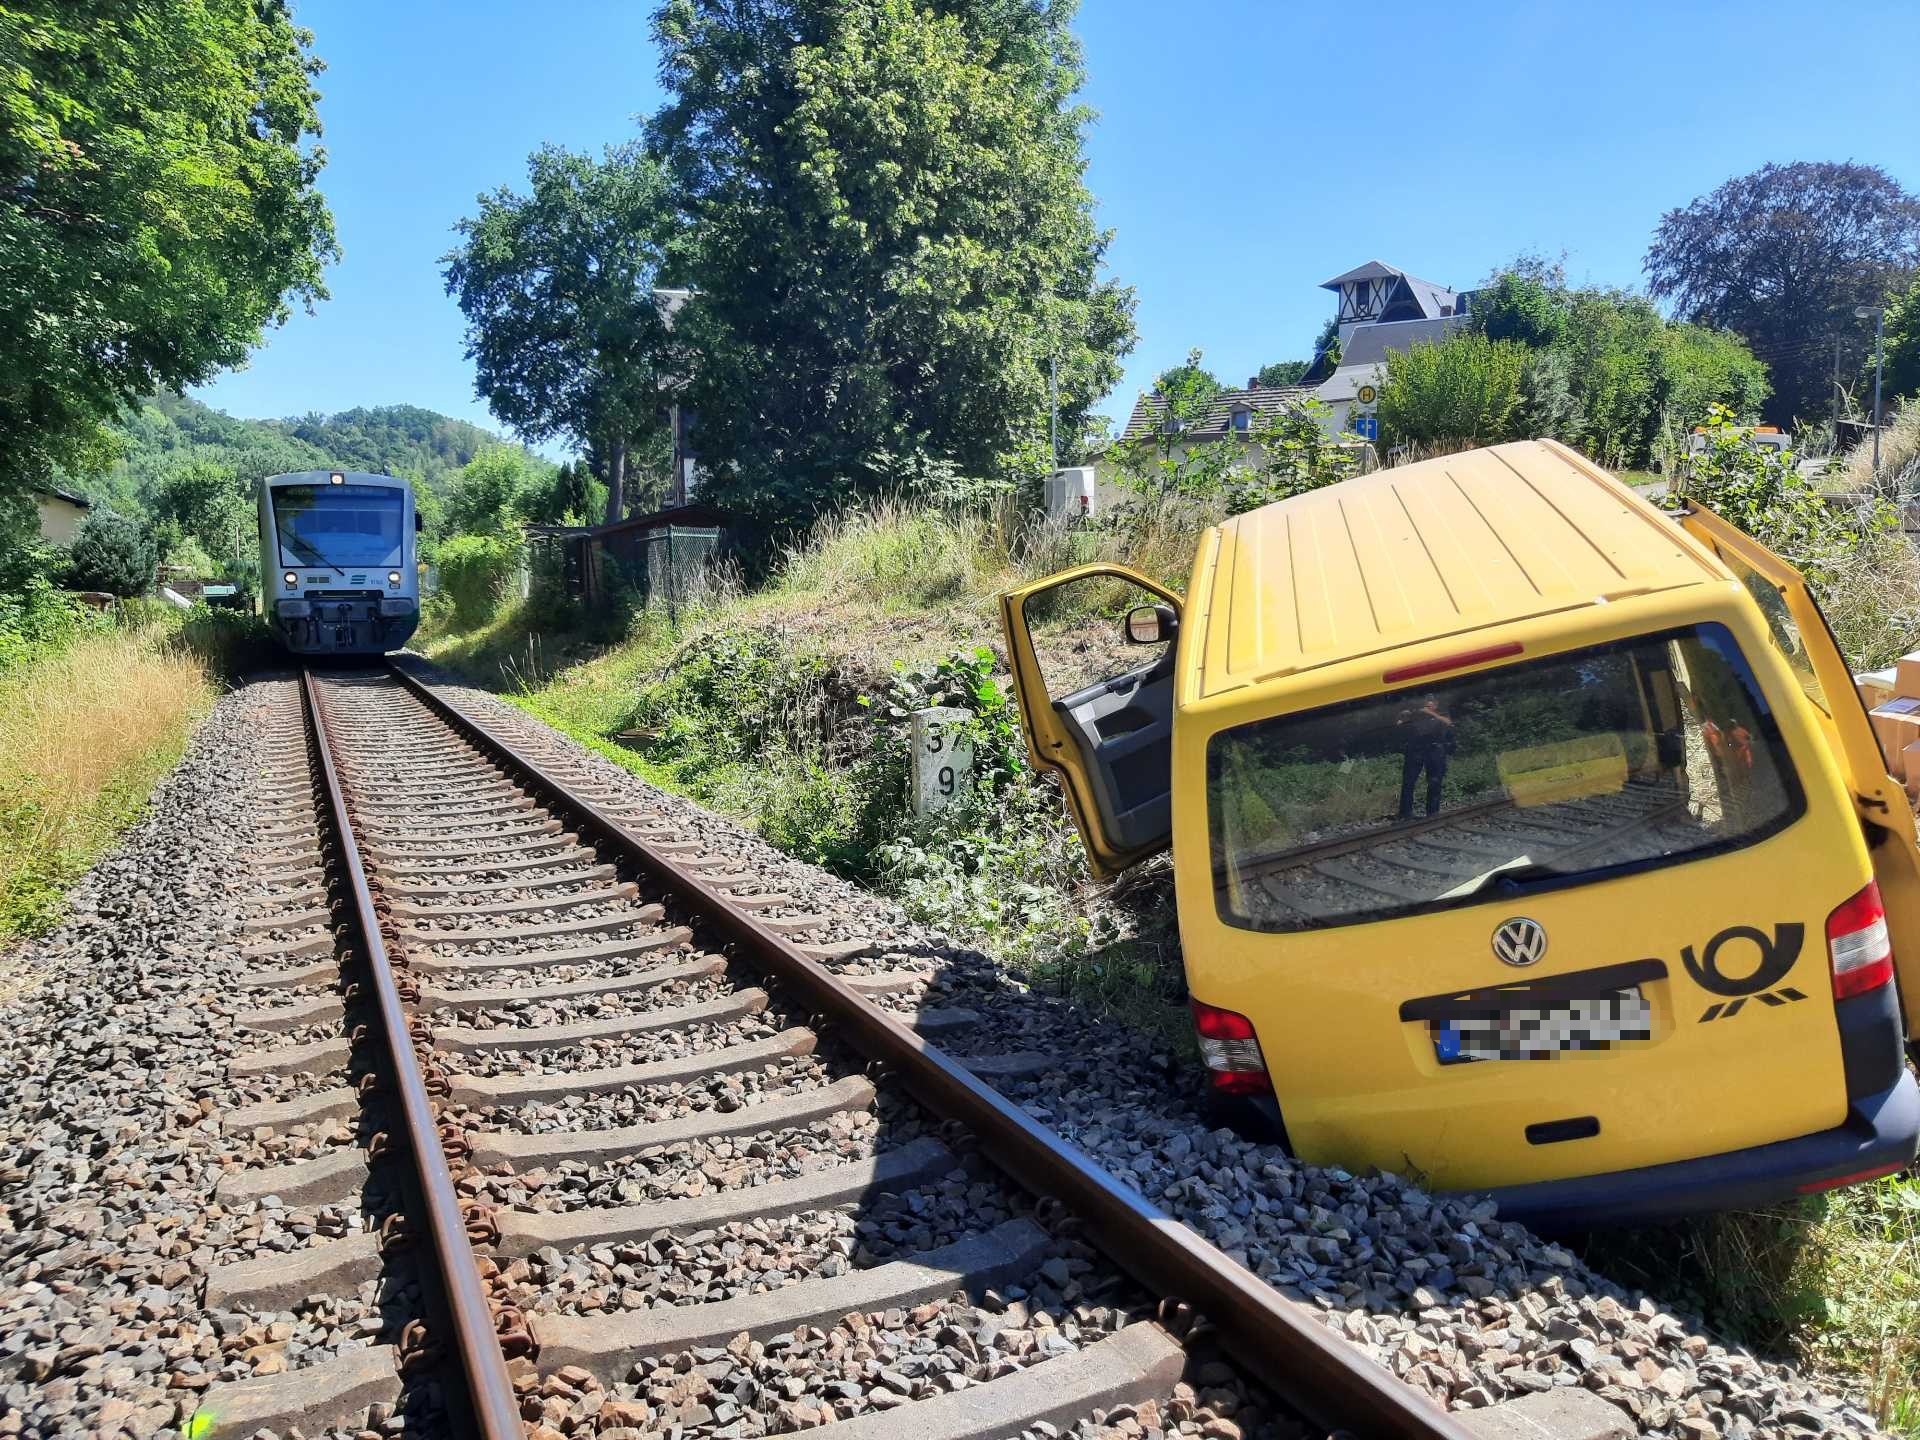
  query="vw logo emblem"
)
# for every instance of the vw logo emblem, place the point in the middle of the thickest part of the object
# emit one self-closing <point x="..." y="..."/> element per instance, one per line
<point x="1520" y="941"/>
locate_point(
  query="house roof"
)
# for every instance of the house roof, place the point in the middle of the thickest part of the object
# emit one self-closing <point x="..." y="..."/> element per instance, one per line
<point x="696" y="516"/>
<point x="1150" y="410"/>
<point x="1369" y="344"/>
<point x="1362" y="361"/>
<point x="1425" y="552"/>
<point x="1433" y="300"/>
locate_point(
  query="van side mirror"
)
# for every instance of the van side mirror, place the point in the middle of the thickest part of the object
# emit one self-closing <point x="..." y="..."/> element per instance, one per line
<point x="418" y="524"/>
<point x="1150" y="624"/>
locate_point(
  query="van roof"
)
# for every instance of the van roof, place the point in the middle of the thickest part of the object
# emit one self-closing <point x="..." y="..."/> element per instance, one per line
<point x="1443" y="547"/>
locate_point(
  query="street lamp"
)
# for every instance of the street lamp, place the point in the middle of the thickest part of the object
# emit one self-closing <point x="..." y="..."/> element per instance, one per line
<point x="1879" y="316"/>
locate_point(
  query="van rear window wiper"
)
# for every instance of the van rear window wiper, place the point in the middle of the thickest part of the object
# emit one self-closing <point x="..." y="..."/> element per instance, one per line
<point x="1509" y="879"/>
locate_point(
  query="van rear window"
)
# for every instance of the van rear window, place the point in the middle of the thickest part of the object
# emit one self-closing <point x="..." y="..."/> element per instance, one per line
<point x="1579" y="766"/>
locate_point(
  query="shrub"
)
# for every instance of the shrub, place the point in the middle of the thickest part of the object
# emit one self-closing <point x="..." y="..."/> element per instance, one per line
<point x="475" y="572"/>
<point x="1285" y="452"/>
<point x="39" y="621"/>
<point x="1860" y="567"/>
<point x="229" y="642"/>
<point x="111" y="553"/>
<point x="1454" y="395"/>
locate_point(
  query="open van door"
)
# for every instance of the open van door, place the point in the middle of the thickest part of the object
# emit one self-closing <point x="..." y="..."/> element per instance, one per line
<point x="1800" y="632"/>
<point x="1109" y="736"/>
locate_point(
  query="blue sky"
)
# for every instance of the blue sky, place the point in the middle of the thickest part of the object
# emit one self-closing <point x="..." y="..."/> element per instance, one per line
<point x="1244" y="153"/>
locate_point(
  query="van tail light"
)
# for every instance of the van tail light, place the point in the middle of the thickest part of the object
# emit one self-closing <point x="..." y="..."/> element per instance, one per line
<point x="1857" y="940"/>
<point x="1231" y="1051"/>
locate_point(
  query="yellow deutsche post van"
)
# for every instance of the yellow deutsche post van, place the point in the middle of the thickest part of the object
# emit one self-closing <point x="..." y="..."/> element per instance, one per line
<point x="1525" y="839"/>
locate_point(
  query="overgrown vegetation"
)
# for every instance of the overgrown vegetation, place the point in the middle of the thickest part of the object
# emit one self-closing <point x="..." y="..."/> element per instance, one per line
<point x="785" y="708"/>
<point x="93" y="711"/>
<point x="1598" y="368"/>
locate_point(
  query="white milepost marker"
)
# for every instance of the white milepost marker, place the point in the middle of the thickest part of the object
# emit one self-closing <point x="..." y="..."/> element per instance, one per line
<point x="942" y="758"/>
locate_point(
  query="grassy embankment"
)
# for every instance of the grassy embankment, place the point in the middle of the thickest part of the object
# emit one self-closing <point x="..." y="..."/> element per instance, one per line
<point x="747" y="704"/>
<point x="92" y="715"/>
<point x="751" y="704"/>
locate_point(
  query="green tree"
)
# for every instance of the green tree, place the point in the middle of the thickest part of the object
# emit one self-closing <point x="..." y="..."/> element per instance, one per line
<point x="1902" y="341"/>
<point x="1188" y="388"/>
<point x="1782" y="256"/>
<point x="1327" y="343"/>
<point x="486" y="497"/>
<point x="1523" y="307"/>
<point x="1454" y="395"/>
<point x="891" y="237"/>
<point x="557" y="286"/>
<point x="204" y="501"/>
<point x="568" y="495"/>
<point x="1547" y="409"/>
<point x="1606" y="371"/>
<point x="157" y="205"/>
<point x="111" y="553"/>
<point x="1281" y="373"/>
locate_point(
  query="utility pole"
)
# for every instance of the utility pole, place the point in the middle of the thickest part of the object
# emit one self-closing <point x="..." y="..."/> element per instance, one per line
<point x="1836" y="391"/>
<point x="1879" y="314"/>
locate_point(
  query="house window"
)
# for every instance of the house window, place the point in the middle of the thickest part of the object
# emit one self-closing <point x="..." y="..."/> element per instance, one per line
<point x="1243" y="420"/>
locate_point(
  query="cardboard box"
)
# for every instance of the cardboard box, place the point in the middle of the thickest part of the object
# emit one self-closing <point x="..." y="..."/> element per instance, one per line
<point x="1906" y="674"/>
<point x="1910" y="758"/>
<point x="1876" y="687"/>
<point x="1896" y="723"/>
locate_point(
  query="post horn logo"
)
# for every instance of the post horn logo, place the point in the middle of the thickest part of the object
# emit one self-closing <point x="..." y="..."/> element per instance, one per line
<point x="1520" y="941"/>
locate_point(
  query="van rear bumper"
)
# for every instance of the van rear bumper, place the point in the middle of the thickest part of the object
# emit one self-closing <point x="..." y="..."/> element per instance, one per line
<point x="1881" y="1129"/>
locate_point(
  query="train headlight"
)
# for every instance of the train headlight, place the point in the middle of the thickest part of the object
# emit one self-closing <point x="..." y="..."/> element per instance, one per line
<point x="291" y="578"/>
<point x="393" y="577"/>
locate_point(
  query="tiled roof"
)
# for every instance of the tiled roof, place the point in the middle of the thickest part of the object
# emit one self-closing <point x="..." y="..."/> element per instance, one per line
<point x="1149" y="411"/>
<point x="1369" y="344"/>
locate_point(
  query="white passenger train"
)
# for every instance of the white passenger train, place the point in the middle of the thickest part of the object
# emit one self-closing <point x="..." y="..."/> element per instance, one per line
<point x="338" y="568"/>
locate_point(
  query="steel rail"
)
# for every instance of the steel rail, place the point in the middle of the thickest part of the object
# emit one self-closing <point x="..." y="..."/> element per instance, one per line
<point x="495" y="1409"/>
<point x="1274" y="1339"/>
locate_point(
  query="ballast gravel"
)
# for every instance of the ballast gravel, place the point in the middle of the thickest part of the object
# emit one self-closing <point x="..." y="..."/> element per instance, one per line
<point x="115" y="1042"/>
<point x="115" y="1046"/>
<point x="1471" y="1309"/>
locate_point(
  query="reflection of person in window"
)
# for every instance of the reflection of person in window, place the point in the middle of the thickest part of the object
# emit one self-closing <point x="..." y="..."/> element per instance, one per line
<point x="1426" y="740"/>
<point x="1740" y="748"/>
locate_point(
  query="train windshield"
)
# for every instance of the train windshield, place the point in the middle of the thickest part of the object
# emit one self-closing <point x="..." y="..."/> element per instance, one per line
<point x="340" y="526"/>
<point x="1598" y="762"/>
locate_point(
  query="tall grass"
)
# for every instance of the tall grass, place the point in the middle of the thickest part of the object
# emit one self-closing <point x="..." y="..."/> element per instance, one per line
<point x="84" y="735"/>
<point x="1899" y="453"/>
<point x="895" y="554"/>
<point x="904" y="556"/>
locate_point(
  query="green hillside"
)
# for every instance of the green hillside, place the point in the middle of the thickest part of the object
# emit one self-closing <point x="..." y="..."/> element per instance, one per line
<point x="169" y="432"/>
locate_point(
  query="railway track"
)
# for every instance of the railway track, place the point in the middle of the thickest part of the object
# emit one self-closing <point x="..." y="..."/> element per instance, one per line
<point x="1419" y="861"/>
<point x="622" y="1142"/>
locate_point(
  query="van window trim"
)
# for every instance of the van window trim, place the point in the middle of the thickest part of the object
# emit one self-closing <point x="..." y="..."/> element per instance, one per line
<point x="1794" y="812"/>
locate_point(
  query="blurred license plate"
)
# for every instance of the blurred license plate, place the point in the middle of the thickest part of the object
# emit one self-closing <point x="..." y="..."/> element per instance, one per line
<point x="1589" y="1023"/>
